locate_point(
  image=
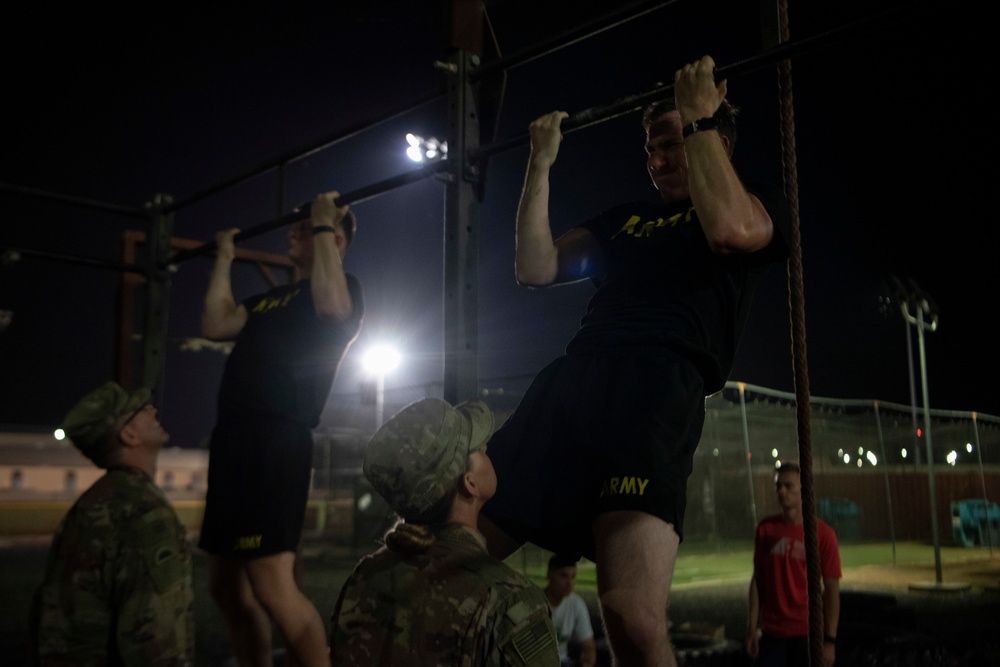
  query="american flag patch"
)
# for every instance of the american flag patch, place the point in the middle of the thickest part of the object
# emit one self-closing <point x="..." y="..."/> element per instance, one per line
<point x="532" y="641"/>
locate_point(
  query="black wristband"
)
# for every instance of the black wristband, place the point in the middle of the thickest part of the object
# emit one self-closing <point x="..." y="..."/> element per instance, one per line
<point x="319" y="229"/>
<point x="710" y="123"/>
<point x="829" y="639"/>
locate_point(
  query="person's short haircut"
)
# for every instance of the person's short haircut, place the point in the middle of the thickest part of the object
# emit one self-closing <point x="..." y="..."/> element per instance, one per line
<point x="350" y="225"/>
<point x="558" y="562"/>
<point x="790" y="466"/>
<point x="726" y="115"/>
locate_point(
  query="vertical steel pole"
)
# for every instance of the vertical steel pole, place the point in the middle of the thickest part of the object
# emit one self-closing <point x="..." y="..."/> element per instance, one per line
<point x="920" y="324"/>
<point x="885" y="470"/>
<point x="379" y="399"/>
<point x="746" y="451"/>
<point x="982" y="478"/>
<point x="161" y="229"/>
<point x="461" y="237"/>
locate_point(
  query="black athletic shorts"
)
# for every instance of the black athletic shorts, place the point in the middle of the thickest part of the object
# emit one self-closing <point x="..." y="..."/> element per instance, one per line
<point x="259" y="472"/>
<point x="597" y="432"/>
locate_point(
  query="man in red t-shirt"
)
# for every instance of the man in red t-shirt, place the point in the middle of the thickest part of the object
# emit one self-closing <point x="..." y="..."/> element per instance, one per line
<point x="778" y="598"/>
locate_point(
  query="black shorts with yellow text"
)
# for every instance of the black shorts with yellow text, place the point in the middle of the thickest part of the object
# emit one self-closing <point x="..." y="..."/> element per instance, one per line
<point x="597" y="432"/>
<point x="259" y="472"/>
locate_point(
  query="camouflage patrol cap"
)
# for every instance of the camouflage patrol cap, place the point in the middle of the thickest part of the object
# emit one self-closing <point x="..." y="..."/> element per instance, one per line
<point x="415" y="458"/>
<point x="88" y="422"/>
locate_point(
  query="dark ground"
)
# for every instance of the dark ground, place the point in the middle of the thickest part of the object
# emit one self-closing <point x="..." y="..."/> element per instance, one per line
<point x="883" y="621"/>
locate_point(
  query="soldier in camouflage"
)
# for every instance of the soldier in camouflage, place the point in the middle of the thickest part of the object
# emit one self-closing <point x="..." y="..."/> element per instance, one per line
<point x="433" y="595"/>
<point x="117" y="588"/>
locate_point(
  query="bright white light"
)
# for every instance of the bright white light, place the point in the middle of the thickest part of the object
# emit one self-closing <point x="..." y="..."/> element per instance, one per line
<point x="903" y="452"/>
<point x="952" y="457"/>
<point x="774" y="453"/>
<point x="777" y="464"/>
<point x="847" y="458"/>
<point x="968" y="447"/>
<point x="840" y="452"/>
<point x="861" y="451"/>
<point x="59" y="434"/>
<point x="380" y="359"/>
<point x="364" y="502"/>
<point x="872" y="459"/>
<point x="421" y="149"/>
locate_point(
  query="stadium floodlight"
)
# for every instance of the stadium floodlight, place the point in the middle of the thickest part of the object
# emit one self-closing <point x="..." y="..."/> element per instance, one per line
<point x="425" y="150"/>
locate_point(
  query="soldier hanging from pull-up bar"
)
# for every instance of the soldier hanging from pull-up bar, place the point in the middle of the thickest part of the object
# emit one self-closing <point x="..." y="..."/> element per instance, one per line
<point x="289" y="344"/>
<point x="594" y="462"/>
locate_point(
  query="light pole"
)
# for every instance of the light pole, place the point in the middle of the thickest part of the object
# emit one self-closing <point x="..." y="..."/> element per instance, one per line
<point x="378" y="361"/>
<point x="916" y="299"/>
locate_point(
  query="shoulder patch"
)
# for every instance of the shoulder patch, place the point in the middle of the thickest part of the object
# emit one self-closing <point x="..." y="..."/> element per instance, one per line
<point x="533" y="641"/>
<point x="519" y="612"/>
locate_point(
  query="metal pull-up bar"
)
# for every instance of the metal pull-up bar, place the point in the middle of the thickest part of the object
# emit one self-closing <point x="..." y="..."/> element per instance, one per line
<point x="632" y="103"/>
<point x="293" y="155"/>
<point x="361" y="194"/>
<point x="132" y="212"/>
<point x="578" y="121"/>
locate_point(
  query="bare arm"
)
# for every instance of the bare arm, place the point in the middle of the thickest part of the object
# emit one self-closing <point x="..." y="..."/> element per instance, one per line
<point x="588" y="652"/>
<point x="733" y="220"/>
<point x="221" y="318"/>
<point x="831" y="618"/>
<point x="538" y="260"/>
<point x="331" y="297"/>
<point x="752" y="641"/>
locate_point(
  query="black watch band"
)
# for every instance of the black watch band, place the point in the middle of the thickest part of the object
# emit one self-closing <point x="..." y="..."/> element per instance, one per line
<point x="710" y="123"/>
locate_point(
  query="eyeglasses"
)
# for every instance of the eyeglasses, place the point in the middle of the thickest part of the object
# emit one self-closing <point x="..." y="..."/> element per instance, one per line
<point x="134" y="415"/>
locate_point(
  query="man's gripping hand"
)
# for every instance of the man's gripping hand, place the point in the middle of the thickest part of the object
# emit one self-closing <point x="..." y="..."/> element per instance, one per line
<point x="546" y="134"/>
<point x="224" y="244"/>
<point x="325" y="212"/>
<point x="696" y="93"/>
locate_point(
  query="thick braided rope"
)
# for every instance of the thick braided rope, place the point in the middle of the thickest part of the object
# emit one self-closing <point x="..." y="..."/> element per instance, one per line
<point x="796" y="302"/>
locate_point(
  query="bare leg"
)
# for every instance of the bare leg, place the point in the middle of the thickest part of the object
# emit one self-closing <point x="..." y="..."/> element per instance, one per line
<point x="635" y="564"/>
<point x="248" y="623"/>
<point x="273" y="582"/>
<point x="299" y="574"/>
<point x="499" y="543"/>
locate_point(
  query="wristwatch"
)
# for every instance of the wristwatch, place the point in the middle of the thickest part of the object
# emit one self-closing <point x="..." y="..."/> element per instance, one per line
<point x="710" y="123"/>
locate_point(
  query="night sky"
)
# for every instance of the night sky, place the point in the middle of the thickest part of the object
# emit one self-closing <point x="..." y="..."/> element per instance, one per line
<point x="895" y="150"/>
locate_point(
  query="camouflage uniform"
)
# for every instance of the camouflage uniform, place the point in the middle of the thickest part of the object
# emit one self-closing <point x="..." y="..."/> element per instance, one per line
<point x="117" y="586"/>
<point x="453" y="605"/>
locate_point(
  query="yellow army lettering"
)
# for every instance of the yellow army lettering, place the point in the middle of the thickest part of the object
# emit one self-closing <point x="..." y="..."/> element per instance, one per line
<point x="265" y="305"/>
<point x="617" y="486"/>
<point x="647" y="227"/>
<point x="248" y="542"/>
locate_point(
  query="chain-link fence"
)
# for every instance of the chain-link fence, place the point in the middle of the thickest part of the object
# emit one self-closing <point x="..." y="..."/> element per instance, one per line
<point x="876" y="465"/>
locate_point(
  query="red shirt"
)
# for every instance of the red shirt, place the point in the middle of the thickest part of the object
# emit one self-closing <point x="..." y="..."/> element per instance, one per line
<point x="779" y="562"/>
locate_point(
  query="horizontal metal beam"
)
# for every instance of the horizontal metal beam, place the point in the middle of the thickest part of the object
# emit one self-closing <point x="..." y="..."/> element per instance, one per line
<point x="768" y="57"/>
<point x="11" y="254"/>
<point x="302" y="212"/>
<point x="570" y="37"/>
<point x="8" y="188"/>
<point x="305" y="151"/>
